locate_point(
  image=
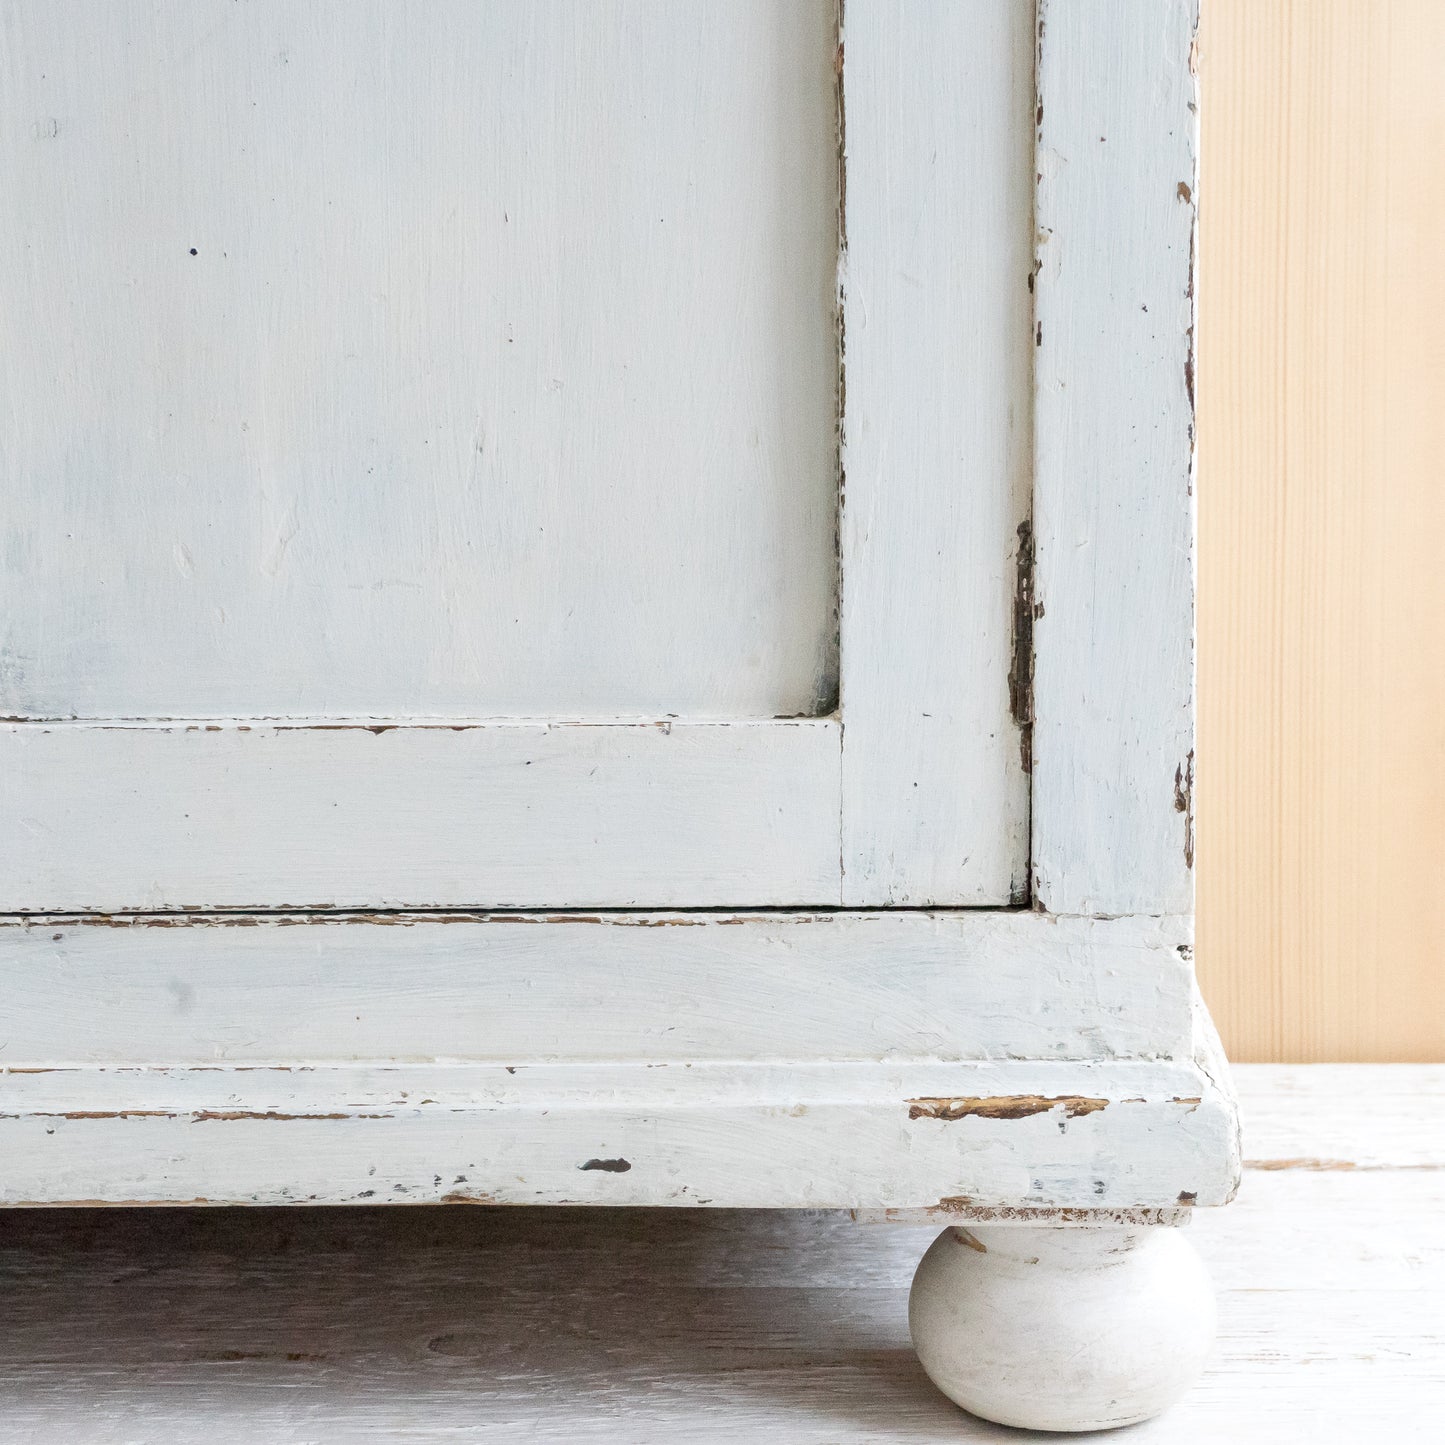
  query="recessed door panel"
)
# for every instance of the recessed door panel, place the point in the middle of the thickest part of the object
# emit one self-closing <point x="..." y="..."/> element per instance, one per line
<point x="389" y="359"/>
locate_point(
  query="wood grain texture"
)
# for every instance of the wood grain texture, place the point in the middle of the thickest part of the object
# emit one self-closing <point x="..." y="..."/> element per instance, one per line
<point x="639" y="1327"/>
<point x="1322" y="510"/>
<point x="1112" y="600"/>
<point x="1316" y="1117"/>
<point x="936" y="447"/>
<point x="385" y="359"/>
<point x="513" y="989"/>
<point x="114" y="818"/>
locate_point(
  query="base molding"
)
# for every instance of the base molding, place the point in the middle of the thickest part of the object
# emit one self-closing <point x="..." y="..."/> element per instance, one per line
<point x="1155" y="1135"/>
<point x="899" y="1060"/>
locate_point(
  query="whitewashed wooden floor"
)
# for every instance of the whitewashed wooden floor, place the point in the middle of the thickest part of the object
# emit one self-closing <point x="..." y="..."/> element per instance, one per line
<point x="163" y="1326"/>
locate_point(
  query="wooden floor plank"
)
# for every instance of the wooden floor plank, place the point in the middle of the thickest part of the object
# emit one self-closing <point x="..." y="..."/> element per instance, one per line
<point x="551" y="1325"/>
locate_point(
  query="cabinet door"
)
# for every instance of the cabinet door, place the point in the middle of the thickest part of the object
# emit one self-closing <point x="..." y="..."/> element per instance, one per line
<point x="492" y="454"/>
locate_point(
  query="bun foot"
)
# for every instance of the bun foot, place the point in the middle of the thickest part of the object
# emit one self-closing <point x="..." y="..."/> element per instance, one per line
<point x="1062" y="1328"/>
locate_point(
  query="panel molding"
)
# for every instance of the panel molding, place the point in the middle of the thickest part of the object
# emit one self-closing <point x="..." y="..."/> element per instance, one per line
<point x="117" y="817"/>
<point x="472" y="357"/>
<point x="911" y="1135"/>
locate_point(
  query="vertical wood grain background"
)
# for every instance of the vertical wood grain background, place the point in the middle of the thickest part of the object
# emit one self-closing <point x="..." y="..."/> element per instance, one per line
<point x="1322" y="523"/>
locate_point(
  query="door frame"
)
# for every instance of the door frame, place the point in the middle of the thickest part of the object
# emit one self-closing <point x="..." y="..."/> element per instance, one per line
<point x="1016" y="665"/>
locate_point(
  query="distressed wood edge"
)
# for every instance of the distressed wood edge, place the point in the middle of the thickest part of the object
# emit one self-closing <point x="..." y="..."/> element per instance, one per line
<point x="1023" y="1217"/>
<point x="1218" y="1088"/>
<point x="740" y="1136"/>
<point x="1076" y="791"/>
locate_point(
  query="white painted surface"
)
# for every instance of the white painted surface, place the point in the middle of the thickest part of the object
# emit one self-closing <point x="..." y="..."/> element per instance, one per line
<point x="939" y="100"/>
<point x="905" y="1084"/>
<point x="864" y="1060"/>
<point x="855" y="1135"/>
<point x="502" y="380"/>
<point x="1062" y="1329"/>
<point x="639" y="1327"/>
<point x="503" y="384"/>
<point x="1113" y="417"/>
<point x="495" y="815"/>
<point x="510" y="989"/>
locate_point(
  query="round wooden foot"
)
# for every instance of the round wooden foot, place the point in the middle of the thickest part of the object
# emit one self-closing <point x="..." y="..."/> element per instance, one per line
<point x="1062" y="1328"/>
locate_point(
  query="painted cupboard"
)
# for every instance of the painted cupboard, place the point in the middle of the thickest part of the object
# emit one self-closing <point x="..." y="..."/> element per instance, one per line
<point x="596" y="607"/>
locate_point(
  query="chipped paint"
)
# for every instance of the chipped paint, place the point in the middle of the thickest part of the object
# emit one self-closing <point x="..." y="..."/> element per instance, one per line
<point x="1184" y="803"/>
<point x="1083" y="1218"/>
<point x="1010" y="1106"/>
<point x="196" y="1116"/>
<point x="1021" y="663"/>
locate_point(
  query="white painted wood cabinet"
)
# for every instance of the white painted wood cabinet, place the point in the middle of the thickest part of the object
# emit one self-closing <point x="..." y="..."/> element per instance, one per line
<point x="596" y="606"/>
